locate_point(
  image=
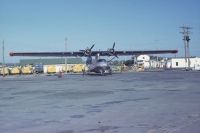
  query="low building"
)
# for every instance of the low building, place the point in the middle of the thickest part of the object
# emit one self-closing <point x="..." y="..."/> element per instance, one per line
<point x="182" y="63"/>
<point x="50" y="61"/>
<point x="143" y="61"/>
<point x="53" y="65"/>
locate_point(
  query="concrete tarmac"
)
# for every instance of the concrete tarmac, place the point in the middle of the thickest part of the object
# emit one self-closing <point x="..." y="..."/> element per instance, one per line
<point x="140" y="102"/>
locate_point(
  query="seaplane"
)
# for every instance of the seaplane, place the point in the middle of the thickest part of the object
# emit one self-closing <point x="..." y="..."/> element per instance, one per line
<point x="99" y="65"/>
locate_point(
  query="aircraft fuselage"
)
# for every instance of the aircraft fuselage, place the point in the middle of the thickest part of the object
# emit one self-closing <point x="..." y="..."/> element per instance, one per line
<point x="100" y="66"/>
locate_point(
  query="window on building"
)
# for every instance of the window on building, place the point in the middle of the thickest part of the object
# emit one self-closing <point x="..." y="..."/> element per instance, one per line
<point x="176" y="63"/>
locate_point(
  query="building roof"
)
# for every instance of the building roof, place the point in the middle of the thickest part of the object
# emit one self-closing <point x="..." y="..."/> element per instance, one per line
<point x="192" y="57"/>
<point x="51" y="61"/>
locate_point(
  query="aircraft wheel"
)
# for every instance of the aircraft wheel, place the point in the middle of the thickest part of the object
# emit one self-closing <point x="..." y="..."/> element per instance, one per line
<point x="110" y="71"/>
<point x="101" y="72"/>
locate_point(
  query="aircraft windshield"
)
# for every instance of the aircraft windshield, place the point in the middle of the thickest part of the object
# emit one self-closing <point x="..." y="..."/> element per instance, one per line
<point x="101" y="60"/>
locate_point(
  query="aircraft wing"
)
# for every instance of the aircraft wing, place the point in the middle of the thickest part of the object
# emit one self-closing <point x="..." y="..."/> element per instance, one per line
<point x="125" y="53"/>
<point x="92" y="53"/>
<point x="44" y="54"/>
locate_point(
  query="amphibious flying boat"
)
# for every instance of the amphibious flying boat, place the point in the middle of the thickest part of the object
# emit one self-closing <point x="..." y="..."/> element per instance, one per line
<point x="98" y="65"/>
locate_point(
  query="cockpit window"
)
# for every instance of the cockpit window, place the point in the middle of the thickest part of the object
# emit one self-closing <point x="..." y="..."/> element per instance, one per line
<point x="101" y="60"/>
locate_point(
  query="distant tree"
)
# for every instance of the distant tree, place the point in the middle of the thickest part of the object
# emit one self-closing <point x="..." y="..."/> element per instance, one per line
<point x="155" y="58"/>
<point x="129" y="62"/>
<point x="116" y="62"/>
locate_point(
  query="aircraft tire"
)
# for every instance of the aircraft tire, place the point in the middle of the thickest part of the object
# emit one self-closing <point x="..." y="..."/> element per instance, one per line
<point x="102" y="72"/>
<point x="110" y="71"/>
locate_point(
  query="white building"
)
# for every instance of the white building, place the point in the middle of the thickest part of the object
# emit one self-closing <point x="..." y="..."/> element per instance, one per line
<point x="181" y="63"/>
<point x="148" y="63"/>
<point x="143" y="60"/>
<point x="157" y="64"/>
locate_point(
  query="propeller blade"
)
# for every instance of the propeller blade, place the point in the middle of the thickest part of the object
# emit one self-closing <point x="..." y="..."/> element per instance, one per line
<point x="92" y="47"/>
<point x="113" y="45"/>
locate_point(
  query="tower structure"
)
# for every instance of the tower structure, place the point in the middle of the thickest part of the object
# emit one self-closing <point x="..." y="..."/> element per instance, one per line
<point x="186" y="40"/>
<point x="66" y="57"/>
<point x="3" y="59"/>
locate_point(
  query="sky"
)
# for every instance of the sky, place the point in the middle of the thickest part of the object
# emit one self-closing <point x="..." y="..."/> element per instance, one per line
<point x="43" y="25"/>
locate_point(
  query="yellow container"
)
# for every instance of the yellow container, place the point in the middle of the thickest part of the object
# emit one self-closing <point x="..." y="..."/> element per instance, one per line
<point x="51" y="69"/>
<point x="64" y="68"/>
<point x="67" y="68"/>
<point x="15" y="71"/>
<point x="27" y="70"/>
<point x="78" y="68"/>
<point x="70" y="68"/>
<point x="5" y="72"/>
<point x="84" y="67"/>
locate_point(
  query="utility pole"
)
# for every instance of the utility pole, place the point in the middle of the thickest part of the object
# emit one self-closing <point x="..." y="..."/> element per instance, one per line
<point x="186" y="40"/>
<point x="66" y="51"/>
<point x="3" y="63"/>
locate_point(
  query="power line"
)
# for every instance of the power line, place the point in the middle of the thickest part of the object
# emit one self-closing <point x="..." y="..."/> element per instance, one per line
<point x="186" y="40"/>
<point x="66" y="51"/>
<point x="3" y="63"/>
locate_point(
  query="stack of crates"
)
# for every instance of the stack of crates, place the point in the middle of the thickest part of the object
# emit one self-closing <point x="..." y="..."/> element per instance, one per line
<point x="15" y="71"/>
<point x="78" y="68"/>
<point x="51" y="69"/>
<point x="4" y="71"/>
<point x="27" y="70"/>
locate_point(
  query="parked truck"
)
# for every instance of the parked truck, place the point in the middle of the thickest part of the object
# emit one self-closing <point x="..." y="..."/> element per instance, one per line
<point x="38" y="68"/>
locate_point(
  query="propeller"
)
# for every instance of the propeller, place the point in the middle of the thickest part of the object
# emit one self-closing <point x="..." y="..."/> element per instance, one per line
<point x="88" y="51"/>
<point x="111" y="51"/>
